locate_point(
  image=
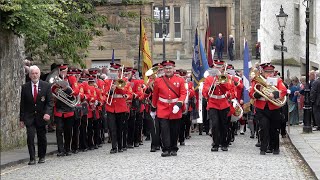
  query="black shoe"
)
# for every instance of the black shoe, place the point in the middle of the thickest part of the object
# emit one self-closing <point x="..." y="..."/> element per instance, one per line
<point x="112" y="151"/>
<point x="276" y="151"/>
<point x="242" y="133"/>
<point x="129" y="146"/>
<point x="68" y="154"/>
<point x="252" y="136"/>
<point x="100" y="145"/>
<point x="41" y="160"/>
<point x="258" y="144"/>
<point x="32" y="162"/>
<point x="232" y="139"/>
<point x="124" y="149"/>
<point x="91" y="148"/>
<point x="153" y="150"/>
<point x="269" y="151"/>
<point x="95" y="147"/>
<point x="262" y="153"/>
<point x="140" y="143"/>
<point x="188" y="137"/>
<point x="165" y="154"/>
<point x="173" y="153"/>
<point x="84" y="150"/>
<point x="75" y="151"/>
<point x="200" y="133"/>
<point x="158" y="148"/>
<point x="224" y="148"/>
<point x="236" y="134"/>
<point x="60" y="154"/>
<point x="136" y="144"/>
<point x="214" y="149"/>
<point x="283" y="135"/>
<point x="120" y="150"/>
<point x="147" y="138"/>
<point x="182" y="144"/>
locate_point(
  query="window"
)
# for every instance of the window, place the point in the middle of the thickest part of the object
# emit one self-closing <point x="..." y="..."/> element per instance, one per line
<point x="173" y="23"/>
<point x="158" y="14"/>
<point x="297" y="19"/>
<point x="177" y="22"/>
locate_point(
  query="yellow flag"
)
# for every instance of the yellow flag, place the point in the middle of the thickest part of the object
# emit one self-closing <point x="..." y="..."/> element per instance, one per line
<point x="146" y="54"/>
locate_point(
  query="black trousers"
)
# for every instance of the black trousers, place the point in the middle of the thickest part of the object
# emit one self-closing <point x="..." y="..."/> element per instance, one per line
<point x="269" y="128"/>
<point x="42" y="141"/>
<point x="75" y="134"/>
<point x="219" y="121"/>
<point x="154" y="127"/>
<point x="93" y="132"/>
<point x="83" y="139"/>
<point x="206" y="123"/>
<point x="169" y="134"/>
<point x="184" y="129"/>
<point x="131" y="128"/>
<point x="138" y="128"/>
<point x="64" y="132"/>
<point x="116" y="124"/>
<point x="316" y="114"/>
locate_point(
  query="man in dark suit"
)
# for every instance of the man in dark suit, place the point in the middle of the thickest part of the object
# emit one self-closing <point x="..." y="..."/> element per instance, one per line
<point x="315" y="99"/>
<point x="35" y="111"/>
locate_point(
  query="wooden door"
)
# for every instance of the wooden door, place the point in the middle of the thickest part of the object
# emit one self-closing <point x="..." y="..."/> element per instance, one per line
<point x="218" y="24"/>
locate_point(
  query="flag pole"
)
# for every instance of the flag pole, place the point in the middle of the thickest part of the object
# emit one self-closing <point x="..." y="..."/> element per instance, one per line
<point x="139" y="56"/>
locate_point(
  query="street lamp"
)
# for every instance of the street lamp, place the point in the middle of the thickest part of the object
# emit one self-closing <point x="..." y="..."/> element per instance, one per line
<point x="164" y="30"/>
<point x="307" y="128"/>
<point x="282" y="20"/>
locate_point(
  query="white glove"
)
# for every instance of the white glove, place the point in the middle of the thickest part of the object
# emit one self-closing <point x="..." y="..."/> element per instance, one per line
<point x="96" y="103"/>
<point x="234" y="102"/>
<point x="288" y="91"/>
<point x="175" y="109"/>
<point x="153" y="114"/>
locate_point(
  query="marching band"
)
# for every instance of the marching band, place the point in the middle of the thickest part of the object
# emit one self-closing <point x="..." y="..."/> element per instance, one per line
<point x="90" y="103"/>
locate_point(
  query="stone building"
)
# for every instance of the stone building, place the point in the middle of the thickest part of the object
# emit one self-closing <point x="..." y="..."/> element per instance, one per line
<point x="237" y="17"/>
<point x="294" y="33"/>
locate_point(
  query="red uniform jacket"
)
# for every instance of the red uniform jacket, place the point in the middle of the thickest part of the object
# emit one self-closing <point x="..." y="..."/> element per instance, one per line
<point x="120" y="96"/>
<point x="92" y="100"/>
<point x="191" y="94"/>
<point x="261" y="102"/>
<point x="162" y="93"/>
<point x="221" y="93"/>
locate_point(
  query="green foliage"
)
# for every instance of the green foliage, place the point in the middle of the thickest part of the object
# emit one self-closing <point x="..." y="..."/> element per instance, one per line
<point x="62" y="28"/>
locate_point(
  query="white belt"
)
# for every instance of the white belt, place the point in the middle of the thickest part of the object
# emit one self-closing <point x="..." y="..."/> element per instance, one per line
<point x="168" y="100"/>
<point x="218" y="97"/>
<point x="118" y="96"/>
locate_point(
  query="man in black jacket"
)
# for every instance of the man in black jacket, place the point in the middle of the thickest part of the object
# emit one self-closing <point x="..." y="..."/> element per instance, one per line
<point x="315" y="99"/>
<point x="35" y="110"/>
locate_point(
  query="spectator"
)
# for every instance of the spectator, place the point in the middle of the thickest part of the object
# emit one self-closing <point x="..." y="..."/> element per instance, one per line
<point x="219" y="46"/>
<point x="293" y="101"/>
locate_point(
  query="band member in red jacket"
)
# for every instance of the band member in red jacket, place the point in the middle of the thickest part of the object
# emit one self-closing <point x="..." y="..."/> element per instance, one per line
<point x="63" y="113"/>
<point x="185" y="122"/>
<point x="168" y="96"/>
<point x="268" y="114"/>
<point x="217" y="94"/>
<point x="116" y="106"/>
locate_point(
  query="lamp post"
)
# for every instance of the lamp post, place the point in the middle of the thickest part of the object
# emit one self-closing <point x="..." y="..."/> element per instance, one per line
<point x="164" y="26"/>
<point x="282" y="20"/>
<point x="307" y="128"/>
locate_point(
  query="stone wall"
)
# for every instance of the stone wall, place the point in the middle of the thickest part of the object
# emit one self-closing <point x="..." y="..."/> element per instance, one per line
<point x="11" y="79"/>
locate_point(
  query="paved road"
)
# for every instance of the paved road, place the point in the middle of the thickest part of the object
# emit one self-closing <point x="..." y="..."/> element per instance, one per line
<point x="194" y="161"/>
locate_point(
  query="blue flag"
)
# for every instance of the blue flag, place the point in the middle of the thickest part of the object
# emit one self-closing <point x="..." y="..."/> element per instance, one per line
<point x="112" y="59"/>
<point x="246" y="73"/>
<point x="199" y="62"/>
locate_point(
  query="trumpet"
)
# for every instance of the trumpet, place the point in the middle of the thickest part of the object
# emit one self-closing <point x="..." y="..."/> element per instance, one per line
<point x="222" y="79"/>
<point x="119" y="83"/>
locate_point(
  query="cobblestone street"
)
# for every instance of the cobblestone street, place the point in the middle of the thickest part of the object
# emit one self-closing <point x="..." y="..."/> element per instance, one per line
<point x="194" y="161"/>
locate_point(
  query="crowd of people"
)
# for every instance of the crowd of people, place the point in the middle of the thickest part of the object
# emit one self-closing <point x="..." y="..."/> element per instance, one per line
<point x="86" y="104"/>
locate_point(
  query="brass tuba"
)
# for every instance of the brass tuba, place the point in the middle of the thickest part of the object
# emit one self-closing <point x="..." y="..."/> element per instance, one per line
<point x="266" y="89"/>
<point x="57" y="92"/>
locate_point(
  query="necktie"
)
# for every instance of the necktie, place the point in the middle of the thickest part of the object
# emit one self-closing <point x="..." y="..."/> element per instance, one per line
<point x="35" y="93"/>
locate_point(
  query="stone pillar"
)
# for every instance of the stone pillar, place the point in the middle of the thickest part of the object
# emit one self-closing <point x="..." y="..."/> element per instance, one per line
<point x="11" y="79"/>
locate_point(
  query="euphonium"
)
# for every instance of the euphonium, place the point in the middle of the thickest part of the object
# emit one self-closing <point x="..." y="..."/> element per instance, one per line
<point x="58" y="93"/>
<point x="266" y="89"/>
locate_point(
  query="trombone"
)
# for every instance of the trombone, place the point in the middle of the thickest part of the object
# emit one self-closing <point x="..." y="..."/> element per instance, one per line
<point x="222" y="79"/>
<point x="119" y="83"/>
